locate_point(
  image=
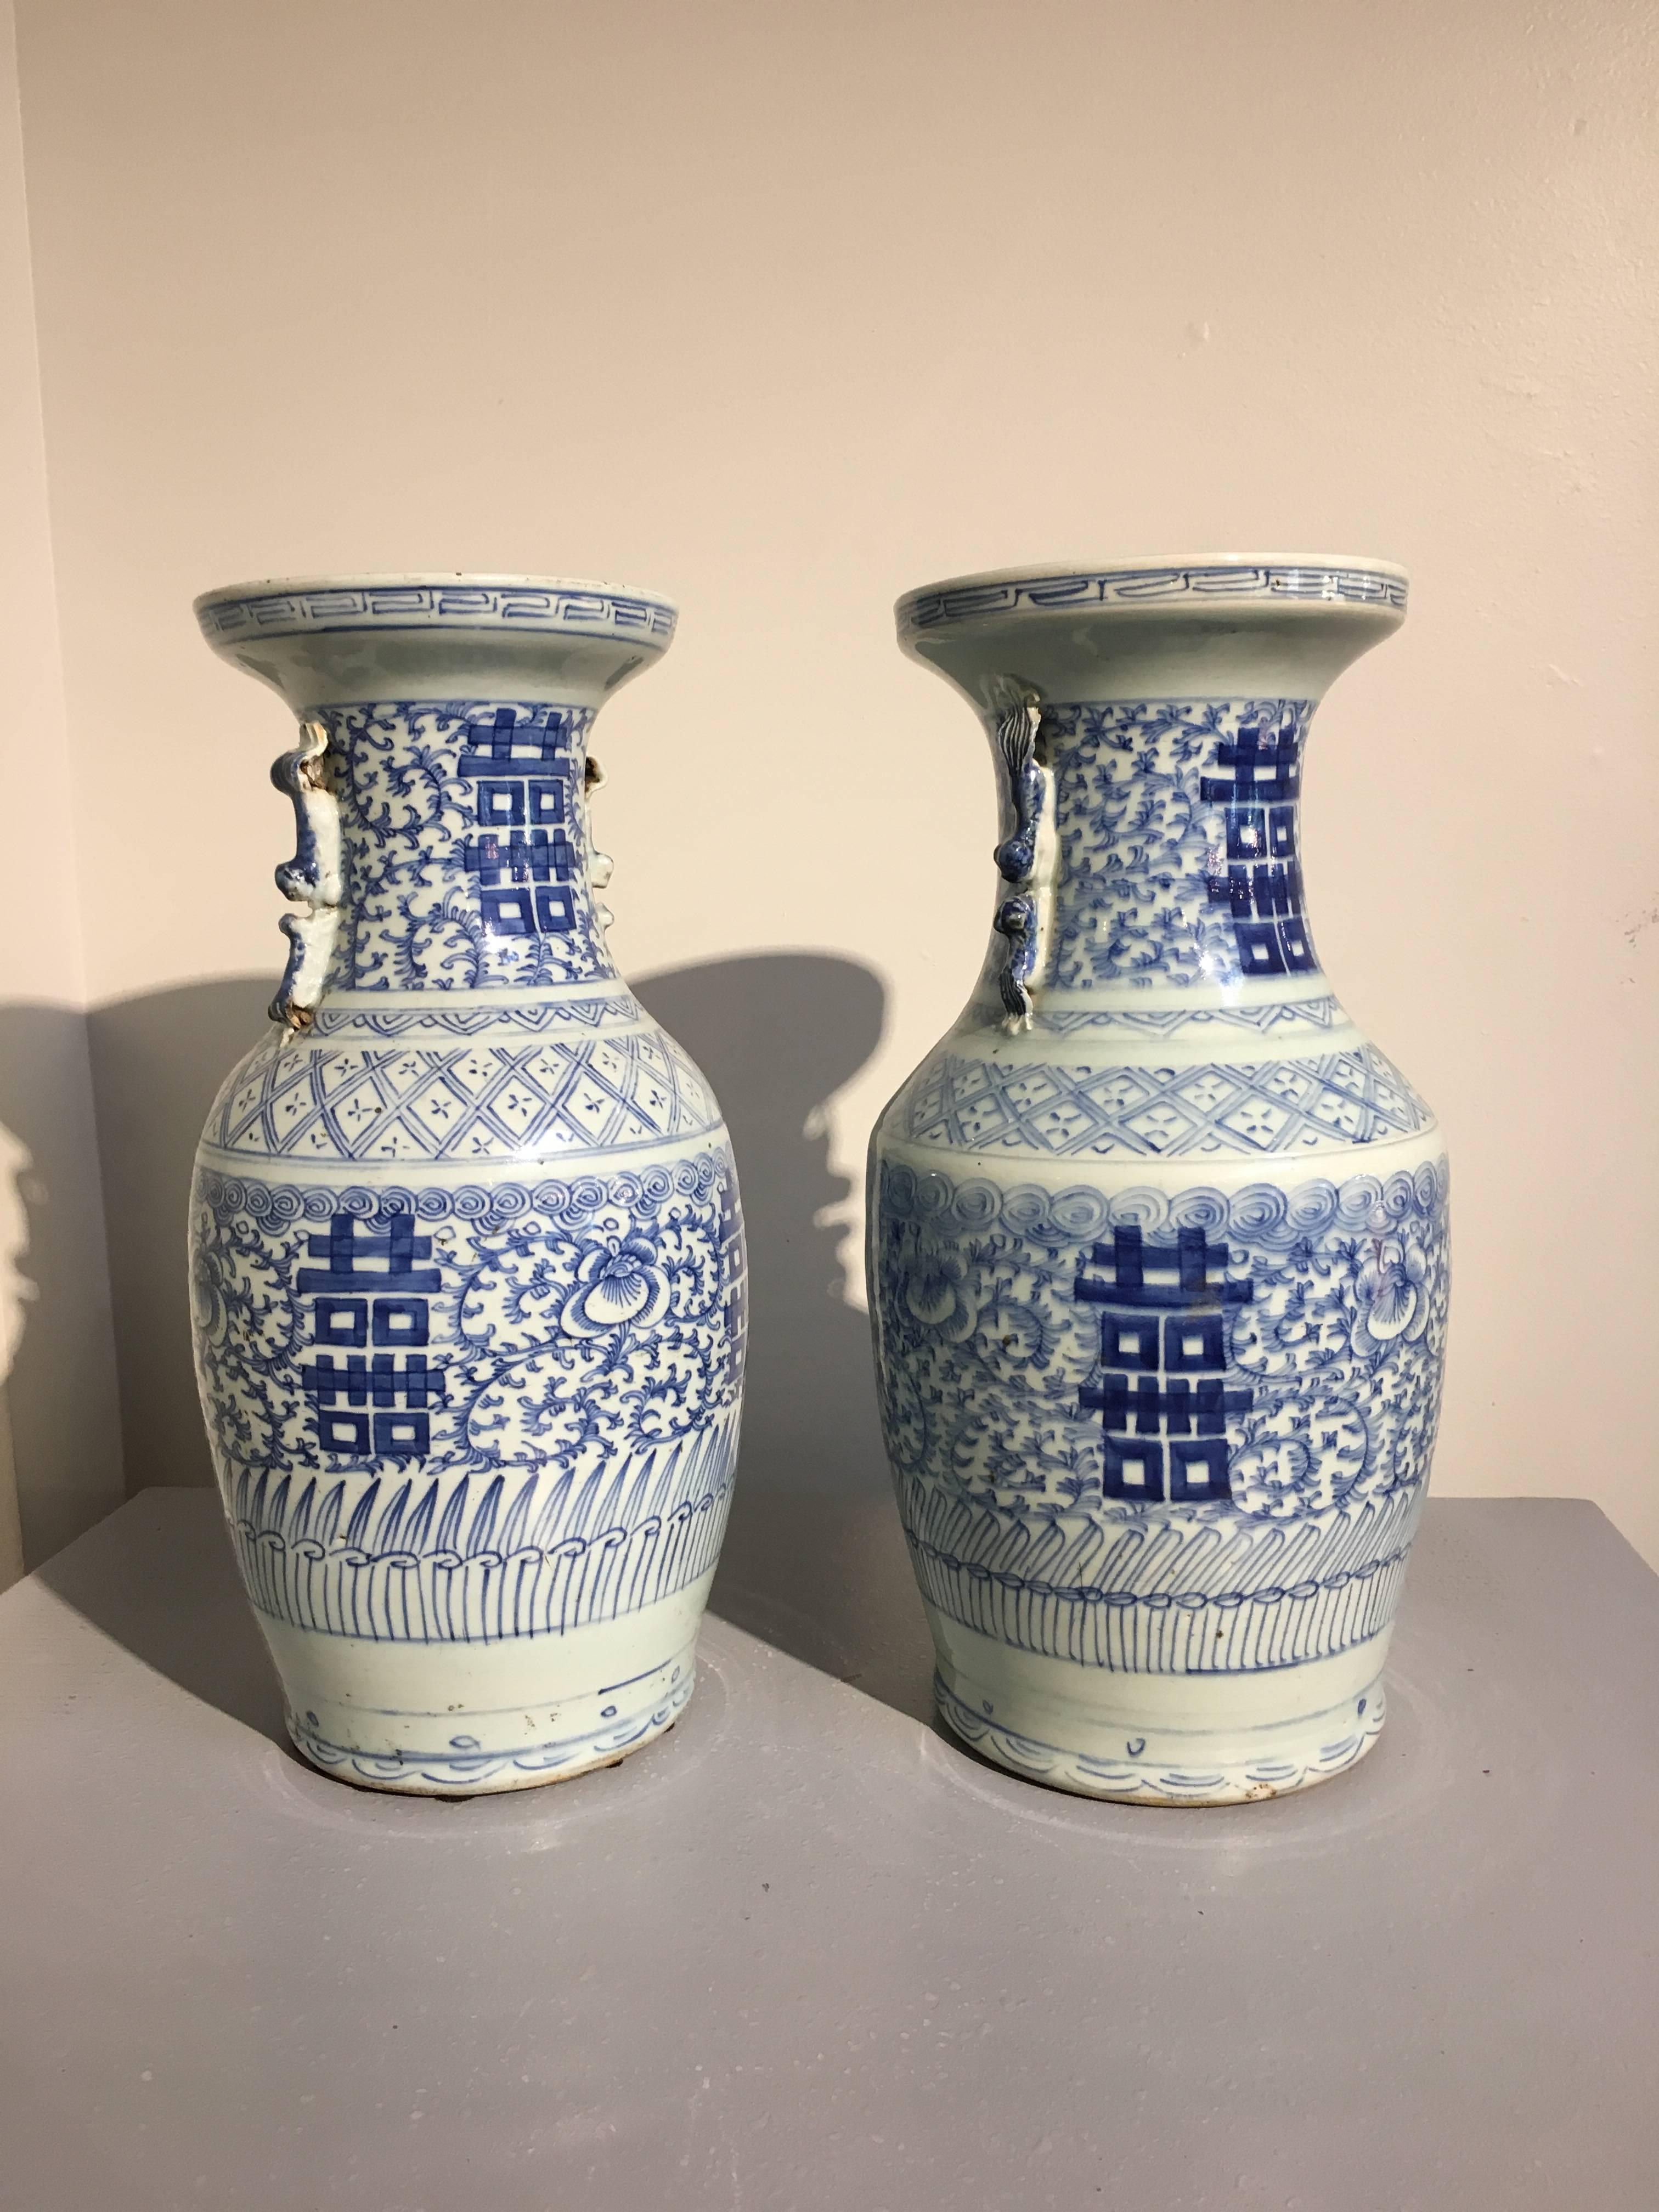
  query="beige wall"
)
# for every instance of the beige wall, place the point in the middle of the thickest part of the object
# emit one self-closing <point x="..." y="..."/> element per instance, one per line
<point x="60" y="1461"/>
<point x="786" y="308"/>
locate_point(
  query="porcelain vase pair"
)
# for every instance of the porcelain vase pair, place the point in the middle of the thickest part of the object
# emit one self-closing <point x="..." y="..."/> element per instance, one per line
<point x="1156" y="1240"/>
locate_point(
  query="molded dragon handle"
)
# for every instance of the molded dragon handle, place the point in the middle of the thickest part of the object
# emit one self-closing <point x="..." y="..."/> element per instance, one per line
<point x="599" y="865"/>
<point x="1016" y="919"/>
<point x="312" y="879"/>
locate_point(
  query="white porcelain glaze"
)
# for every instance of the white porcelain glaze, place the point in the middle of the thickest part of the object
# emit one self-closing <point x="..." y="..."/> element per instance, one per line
<point x="465" y="1235"/>
<point x="1157" y="1247"/>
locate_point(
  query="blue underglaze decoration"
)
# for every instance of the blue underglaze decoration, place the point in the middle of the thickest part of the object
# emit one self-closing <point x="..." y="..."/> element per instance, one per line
<point x="1159" y="1780"/>
<point x="466" y="1249"/>
<point x="312" y="878"/>
<point x="1158" y="1273"/>
<point x="283" y="999"/>
<point x="1157" y="1433"/>
<point x="298" y="878"/>
<point x="1163" y="1407"/>
<point x="464" y="825"/>
<point x="582" y="612"/>
<point x="1024" y="792"/>
<point x="490" y="1100"/>
<point x="1015" y="740"/>
<point x="1261" y="884"/>
<point x="1178" y="867"/>
<point x="465" y="1762"/>
<point x="336" y="1019"/>
<point x="930" y="609"/>
<point x="1016" y="922"/>
<point x="1321" y="1014"/>
<point x="1122" y="1112"/>
<point x="463" y="1412"/>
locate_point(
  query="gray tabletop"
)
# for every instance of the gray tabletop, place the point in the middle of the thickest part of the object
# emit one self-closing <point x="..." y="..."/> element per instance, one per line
<point x="807" y="1952"/>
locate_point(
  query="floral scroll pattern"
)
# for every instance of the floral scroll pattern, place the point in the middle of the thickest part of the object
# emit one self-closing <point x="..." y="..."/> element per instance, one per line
<point x="409" y="810"/>
<point x="987" y="1356"/>
<point x="581" y="1366"/>
<point x="1145" y="850"/>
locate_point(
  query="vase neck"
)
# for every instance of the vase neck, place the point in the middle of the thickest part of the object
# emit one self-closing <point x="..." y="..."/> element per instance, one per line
<point x="466" y="860"/>
<point x="1164" y="858"/>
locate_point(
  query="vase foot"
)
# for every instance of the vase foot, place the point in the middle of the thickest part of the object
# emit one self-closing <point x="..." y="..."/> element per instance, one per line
<point x="1171" y="1741"/>
<point x="474" y="1770"/>
<point x="454" y="1719"/>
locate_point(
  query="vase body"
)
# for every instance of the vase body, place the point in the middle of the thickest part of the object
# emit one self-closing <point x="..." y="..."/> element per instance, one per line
<point x="466" y="1249"/>
<point x="1157" y="1240"/>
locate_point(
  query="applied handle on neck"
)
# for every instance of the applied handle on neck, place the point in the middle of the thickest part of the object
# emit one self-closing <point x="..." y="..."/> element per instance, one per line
<point x="1020" y="916"/>
<point x="313" y="879"/>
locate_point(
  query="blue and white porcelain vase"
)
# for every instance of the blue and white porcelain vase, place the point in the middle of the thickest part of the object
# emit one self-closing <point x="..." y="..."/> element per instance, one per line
<point x="466" y="1248"/>
<point x="1158" y="1249"/>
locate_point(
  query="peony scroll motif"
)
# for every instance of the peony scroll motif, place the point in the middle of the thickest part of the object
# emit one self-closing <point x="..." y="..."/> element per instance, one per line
<point x="580" y="1346"/>
<point x="988" y="1353"/>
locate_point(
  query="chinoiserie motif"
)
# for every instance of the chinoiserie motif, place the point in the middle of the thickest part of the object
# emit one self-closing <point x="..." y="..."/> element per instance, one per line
<point x="466" y="1239"/>
<point x="1158" y="1250"/>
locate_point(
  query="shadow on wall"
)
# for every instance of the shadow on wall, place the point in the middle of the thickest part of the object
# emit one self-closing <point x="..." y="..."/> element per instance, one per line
<point x="59" y="1388"/>
<point x="157" y="1063"/>
<point x="815" y="1560"/>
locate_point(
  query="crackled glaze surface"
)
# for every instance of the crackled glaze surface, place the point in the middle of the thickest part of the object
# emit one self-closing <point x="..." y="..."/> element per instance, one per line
<point x="466" y="1244"/>
<point x="1159" y="1255"/>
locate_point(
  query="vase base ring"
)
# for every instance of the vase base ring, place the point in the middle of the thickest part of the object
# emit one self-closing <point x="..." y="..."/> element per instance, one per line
<point x="477" y="1770"/>
<point x="411" y="1776"/>
<point x="469" y="1720"/>
<point x="1153" y="1766"/>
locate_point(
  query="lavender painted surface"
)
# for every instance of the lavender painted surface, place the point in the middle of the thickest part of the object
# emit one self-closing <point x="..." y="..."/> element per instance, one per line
<point x="807" y="1954"/>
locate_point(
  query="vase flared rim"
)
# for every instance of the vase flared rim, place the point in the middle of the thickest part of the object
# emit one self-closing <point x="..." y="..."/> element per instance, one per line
<point x="288" y="606"/>
<point x="1155" y="583"/>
